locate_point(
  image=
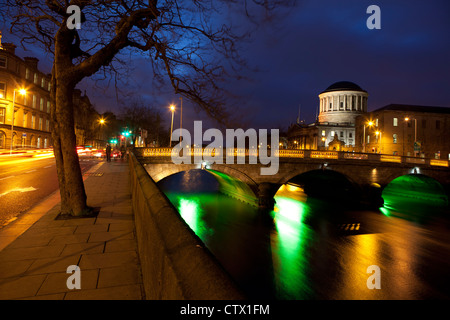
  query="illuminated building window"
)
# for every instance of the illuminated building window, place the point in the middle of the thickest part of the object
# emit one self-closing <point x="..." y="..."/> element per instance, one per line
<point x="27" y="73"/>
<point x="2" y="90"/>
<point x="394" y="138"/>
<point x="395" y="122"/>
<point x="323" y="133"/>
<point x="25" y="119"/>
<point x="41" y="104"/>
<point x="35" y="78"/>
<point x="2" y="115"/>
<point x="43" y="82"/>
<point x="34" y="101"/>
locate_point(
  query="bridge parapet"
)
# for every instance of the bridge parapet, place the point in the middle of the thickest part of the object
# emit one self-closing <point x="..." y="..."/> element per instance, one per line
<point x="289" y="153"/>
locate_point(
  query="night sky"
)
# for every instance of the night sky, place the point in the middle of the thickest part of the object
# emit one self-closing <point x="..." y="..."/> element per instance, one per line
<point x="299" y="55"/>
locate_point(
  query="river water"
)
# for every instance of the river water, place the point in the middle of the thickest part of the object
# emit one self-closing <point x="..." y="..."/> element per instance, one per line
<point x="313" y="249"/>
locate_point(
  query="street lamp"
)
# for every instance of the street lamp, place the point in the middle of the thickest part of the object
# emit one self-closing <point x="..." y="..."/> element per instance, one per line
<point x="172" y="108"/>
<point x="181" y="117"/>
<point x="369" y="124"/>
<point x="415" y="131"/>
<point x="378" y="133"/>
<point x="22" y="92"/>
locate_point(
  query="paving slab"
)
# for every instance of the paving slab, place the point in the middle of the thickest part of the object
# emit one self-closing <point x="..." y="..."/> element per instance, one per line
<point x="36" y="249"/>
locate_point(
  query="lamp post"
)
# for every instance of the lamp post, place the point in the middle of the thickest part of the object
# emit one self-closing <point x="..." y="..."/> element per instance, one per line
<point x="369" y="124"/>
<point x="181" y="117"/>
<point x="172" y="108"/>
<point x="22" y="92"/>
<point x="415" y="131"/>
<point x="378" y="133"/>
<point x="102" y="122"/>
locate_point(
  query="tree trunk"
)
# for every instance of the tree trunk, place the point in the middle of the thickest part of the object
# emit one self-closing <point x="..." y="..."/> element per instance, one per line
<point x="73" y="195"/>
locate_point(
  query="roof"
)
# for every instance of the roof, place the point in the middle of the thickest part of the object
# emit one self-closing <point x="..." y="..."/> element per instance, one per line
<point x="414" y="108"/>
<point x="343" y="85"/>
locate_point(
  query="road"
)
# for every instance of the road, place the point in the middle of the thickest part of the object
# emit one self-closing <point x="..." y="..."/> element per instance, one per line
<point x="26" y="180"/>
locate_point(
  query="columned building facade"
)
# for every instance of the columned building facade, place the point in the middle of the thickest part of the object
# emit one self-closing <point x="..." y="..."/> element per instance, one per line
<point x="334" y="129"/>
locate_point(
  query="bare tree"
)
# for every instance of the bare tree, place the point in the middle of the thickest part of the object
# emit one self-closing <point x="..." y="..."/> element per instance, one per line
<point x="185" y="40"/>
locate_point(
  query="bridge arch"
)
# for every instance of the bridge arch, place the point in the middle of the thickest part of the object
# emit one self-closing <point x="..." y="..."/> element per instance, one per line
<point x="414" y="190"/>
<point x="231" y="181"/>
<point x="326" y="183"/>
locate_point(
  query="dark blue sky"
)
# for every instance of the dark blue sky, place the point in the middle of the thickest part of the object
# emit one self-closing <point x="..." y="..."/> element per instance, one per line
<point x="318" y="43"/>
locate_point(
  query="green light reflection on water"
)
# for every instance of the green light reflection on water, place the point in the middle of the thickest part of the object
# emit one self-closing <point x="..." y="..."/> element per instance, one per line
<point x="290" y="248"/>
<point x="191" y="210"/>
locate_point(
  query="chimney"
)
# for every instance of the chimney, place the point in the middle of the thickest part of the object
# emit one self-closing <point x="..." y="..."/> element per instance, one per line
<point x="32" y="62"/>
<point x="8" y="47"/>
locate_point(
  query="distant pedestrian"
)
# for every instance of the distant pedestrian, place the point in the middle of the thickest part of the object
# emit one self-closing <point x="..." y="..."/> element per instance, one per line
<point x="108" y="153"/>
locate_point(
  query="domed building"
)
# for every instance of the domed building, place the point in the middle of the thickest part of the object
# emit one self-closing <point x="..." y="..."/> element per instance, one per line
<point x="334" y="129"/>
<point x="342" y="102"/>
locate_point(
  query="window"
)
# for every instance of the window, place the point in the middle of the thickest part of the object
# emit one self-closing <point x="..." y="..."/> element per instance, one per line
<point x="331" y="105"/>
<point x="40" y="123"/>
<point x="342" y="134"/>
<point x="332" y="134"/>
<point x="25" y="119"/>
<point x="376" y="122"/>
<point x="350" y="135"/>
<point x="438" y="124"/>
<point x="395" y="122"/>
<point x="2" y="62"/>
<point x="323" y="133"/>
<point x="2" y="115"/>
<point x="368" y="138"/>
<point x="47" y="125"/>
<point x="43" y="82"/>
<point x="33" y="121"/>
<point x="49" y="86"/>
<point x="48" y="106"/>
<point x="2" y="90"/>
<point x="41" y="104"/>
<point x="27" y="74"/>
<point x="34" y="101"/>
<point x="35" y="78"/>
<point x="341" y="106"/>
<point x="394" y="138"/>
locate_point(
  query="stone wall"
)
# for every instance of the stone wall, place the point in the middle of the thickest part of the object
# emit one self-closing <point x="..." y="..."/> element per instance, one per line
<point x="175" y="264"/>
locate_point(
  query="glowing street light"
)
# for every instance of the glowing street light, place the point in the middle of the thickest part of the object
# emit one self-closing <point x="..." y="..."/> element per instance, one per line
<point x="369" y="124"/>
<point x="172" y="108"/>
<point x="415" y="131"/>
<point x="378" y="133"/>
<point x="22" y="92"/>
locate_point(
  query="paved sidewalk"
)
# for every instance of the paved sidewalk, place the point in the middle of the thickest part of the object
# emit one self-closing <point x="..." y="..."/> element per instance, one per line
<point x="36" y="249"/>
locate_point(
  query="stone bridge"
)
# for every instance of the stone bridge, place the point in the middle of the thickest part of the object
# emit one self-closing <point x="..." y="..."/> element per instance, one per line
<point x="347" y="176"/>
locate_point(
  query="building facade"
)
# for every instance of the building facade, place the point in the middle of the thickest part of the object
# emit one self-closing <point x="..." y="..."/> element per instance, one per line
<point x="24" y="118"/>
<point x="339" y="105"/>
<point x="406" y="130"/>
